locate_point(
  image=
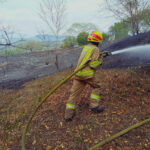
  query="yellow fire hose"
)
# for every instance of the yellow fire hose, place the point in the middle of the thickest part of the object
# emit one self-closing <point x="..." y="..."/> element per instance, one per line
<point x="119" y="134"/>
<point x="53" y="90"/>
<point x="43" y="100"/>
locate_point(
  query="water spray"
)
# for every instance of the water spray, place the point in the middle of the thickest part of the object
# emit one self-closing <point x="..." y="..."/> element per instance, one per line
<point x="142" y="49"/>
<point x="136" y="50"/>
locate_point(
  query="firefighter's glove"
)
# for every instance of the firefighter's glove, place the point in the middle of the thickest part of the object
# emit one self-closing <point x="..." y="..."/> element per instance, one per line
<point x="105" y="54"/>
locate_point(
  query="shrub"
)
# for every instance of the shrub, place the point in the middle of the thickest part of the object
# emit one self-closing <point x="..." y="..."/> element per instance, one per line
<point x="82" y="38"/>
<point x="69" y="42"/>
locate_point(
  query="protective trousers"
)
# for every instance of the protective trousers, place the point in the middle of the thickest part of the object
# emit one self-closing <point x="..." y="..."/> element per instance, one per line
<point x="77" y="88"/>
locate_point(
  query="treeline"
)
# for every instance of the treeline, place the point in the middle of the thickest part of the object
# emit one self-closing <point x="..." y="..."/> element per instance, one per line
<point x="77" y="33"/>
<point x="133" y="16"/>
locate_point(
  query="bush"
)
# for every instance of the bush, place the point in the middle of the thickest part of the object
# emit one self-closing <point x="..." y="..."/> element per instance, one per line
<point x="82" y="38"/>
<point x="69" y="42"/>
<point x="33" y="45"/>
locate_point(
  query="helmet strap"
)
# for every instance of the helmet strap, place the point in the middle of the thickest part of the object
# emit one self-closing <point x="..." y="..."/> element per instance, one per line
<point x="95" y="43"/>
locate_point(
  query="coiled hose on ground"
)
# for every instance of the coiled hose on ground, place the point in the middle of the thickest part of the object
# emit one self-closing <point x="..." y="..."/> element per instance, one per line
<point x="53" y="90"/>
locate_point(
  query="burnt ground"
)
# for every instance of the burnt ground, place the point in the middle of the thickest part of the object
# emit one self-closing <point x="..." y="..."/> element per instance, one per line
<point x="18" y="69"/>
<point x="125" y="94"/>
<point x="141" y="39"/>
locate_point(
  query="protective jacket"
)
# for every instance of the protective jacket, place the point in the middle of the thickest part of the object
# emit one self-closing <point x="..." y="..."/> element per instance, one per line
<point x="90" y="55"/>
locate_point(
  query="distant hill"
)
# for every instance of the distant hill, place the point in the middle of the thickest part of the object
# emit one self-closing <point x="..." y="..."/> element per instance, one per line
<point x="47" y="37"/>
<point x="38" y="38"/>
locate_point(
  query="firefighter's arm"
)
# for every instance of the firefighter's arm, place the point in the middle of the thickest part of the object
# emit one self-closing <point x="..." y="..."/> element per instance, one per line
<point x="95" y="61"/>
<point x="103" y="55"/>
<point x="98" y="58"/>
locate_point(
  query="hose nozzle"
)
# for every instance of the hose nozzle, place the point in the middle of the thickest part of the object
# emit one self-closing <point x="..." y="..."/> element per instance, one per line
<point x="105" y="54"/>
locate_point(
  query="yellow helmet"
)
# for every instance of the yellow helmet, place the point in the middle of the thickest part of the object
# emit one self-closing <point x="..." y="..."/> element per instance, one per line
<point x="95" y="36"/>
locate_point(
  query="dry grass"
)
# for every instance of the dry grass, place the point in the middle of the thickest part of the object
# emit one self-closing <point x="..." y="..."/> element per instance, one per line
<point x="125" y="95"/>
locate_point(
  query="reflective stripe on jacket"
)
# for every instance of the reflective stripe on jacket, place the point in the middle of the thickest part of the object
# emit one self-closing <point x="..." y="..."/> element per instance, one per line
<point x="89" y="53"/>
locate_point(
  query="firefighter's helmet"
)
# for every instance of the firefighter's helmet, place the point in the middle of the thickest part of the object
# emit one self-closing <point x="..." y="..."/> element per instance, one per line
<point x="95" y="36"/>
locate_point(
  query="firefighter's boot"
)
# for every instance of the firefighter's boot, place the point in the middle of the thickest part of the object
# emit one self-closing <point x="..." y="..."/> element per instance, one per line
<point x="69" y="114"/>
<point x="97" y="109"/>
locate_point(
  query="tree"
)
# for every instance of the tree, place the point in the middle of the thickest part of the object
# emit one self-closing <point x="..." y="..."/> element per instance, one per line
<point x="33" y="45"/>
<point x="76" y="28"/>
<point x="146" y="18"/>
<point x="120" y="30"/>
<point x="129" y="11"/>
<point x="52" y="13"/>
<point x="82" y="38"/>
<point x="145" y="24"/>
<point x="105" y="36"/>
<point x="69" y="42"/>
<point x="5" y="33"/>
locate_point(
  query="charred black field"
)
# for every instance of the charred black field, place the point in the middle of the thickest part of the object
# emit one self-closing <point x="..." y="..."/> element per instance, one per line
<point x="18" y="69"/>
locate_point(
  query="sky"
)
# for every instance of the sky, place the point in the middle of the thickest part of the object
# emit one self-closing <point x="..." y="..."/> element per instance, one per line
<point x="22" y="15"/>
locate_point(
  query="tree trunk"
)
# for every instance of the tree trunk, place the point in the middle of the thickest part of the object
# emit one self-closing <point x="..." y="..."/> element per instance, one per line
<point x="56" y="41"/>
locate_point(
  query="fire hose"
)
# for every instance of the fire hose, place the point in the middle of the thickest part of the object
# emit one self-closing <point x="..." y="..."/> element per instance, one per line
<point x="43" y="100"/>
<point x="104" y="54"/>
<point x="119" y="134"/>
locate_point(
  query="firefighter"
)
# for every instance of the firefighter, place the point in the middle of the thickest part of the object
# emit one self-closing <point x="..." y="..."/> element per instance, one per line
<point x="90" y="55"/>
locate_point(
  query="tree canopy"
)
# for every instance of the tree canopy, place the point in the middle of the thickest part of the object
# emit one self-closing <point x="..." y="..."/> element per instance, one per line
<point x="120" y="30"/>
<point x="82" y="38"/>
<point x="131" y="11"/>
<point x="53" y="14"/>
<point x="69" y="41"/>
<point x="77" y="28"/>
